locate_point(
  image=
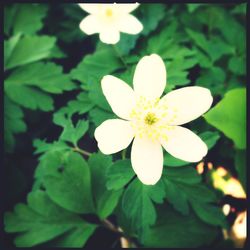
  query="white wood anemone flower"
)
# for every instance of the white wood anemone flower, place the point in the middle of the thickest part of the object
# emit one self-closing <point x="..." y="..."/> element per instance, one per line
<point x="151" y="121"/>
<point x="109" y="20"/>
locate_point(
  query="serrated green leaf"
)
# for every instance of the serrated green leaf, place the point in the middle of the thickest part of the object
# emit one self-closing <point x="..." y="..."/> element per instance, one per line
<point x="93" y="67"/>
<point x="105" y="200"/>
<point x="27" y="49"/>
<point x="29" y="97"/>
<point x="67" y="180"/>
<point x="173" y="230"/>
<point x="214" y="79"/>
<point x="237" y="65"/>
<point x="13" y="123"/>
<point x="171" y="161"/>
<point x="48" y="77"/>
<point x="43" y="147"/>
<point x="70" y="132"/>
<point x="119" y="174"/>
<point x="17" y="18"/>
<point x="97" y="116"/>
<point x="80" y="105"/>
<point x="138" y="206"/>
<point x="43" y="216"/>
<point x="229" y="116"/>
<point x="150" y="16"/>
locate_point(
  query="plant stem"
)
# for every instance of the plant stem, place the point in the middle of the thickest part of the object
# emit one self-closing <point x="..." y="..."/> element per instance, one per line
<point x="126" y="242"/>
<point x="81" y="151"/>
<point x="119" y="55"/>
<point x="124" y="154"/>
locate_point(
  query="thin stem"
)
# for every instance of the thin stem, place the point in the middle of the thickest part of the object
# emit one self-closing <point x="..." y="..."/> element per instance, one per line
<point x="124" y="154"/>
<point x="120" y="56"/>
<point x="81" y="151"/>
<point x="125" y="240"/>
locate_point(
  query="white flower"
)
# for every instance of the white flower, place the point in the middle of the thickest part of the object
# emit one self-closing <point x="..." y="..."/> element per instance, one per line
<point x="151" y="121"/>
<point x="109" y="20"/>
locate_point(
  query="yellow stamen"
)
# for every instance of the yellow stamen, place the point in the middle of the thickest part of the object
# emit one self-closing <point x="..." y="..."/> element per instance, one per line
<point x="109" y="12"/>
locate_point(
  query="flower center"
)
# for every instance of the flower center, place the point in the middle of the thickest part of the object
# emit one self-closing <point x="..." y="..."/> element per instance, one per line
<point x="109" y="12"/>
<point x="150" y="118"/>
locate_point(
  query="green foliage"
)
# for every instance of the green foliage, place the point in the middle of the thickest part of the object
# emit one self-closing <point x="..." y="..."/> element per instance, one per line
<point x="27" y="85"/>
<point x="229" y="116"/>
<point x="182" y="192"/>
<point x="66" y="177"/>
<point x="137" y="204"/>
<point x="105" y="200"/>
<point x="50" y="65"/>
<point x="70" y="132"/>
<point x="17" y="18"/>
<point x="20" y="50"/>
<point x="51" y="221"/>
<point x="13" y="123"/>
<point x="119" y="174"/>
<point x="93" y="67"/>
<point x="171" y="227"/>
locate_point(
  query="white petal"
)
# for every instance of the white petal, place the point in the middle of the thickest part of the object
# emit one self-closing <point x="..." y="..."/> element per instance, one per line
<point x="189" y="103"/>
<point x="90" y="7"/>
<point x="127" y="8"/>
<point x="183" y="144"/>
<point x="119" y="95"/>
<point x="147" y="160"/>
<point x="150" y="77"/>
<point x="113" y="135"/>
<point x="130" y="24"/>
<point x="90" y="25"/>
<point x="110" y="36"/>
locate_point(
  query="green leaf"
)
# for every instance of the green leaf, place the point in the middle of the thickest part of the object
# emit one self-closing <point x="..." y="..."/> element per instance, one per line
<point x="66" y="177"/>
<point x="150" y="16"/>
<point x="44" y="147"/>
<point x="80" y="105"/>
<point x="215" y="48"/>
<point x="210" y="138"/>
<point x="237" y="65"/>
<point x="119" y="174"/>
<point x="138" y="206"/>
<point x="214" y="79"/>
<point x="97" y="116"/>
<point x="193" y="6"/>
<point x="29" y="97"/>
<point x="48" y="77"/>
<point x="126" y="44"/>
<point x="51" y="221"/>
<point x="229" y="116"/>
<point x="96" y="95"/>
<point x="105" y="200"/>
<point x="241" y="166"/>
<point x="70" y="132"/>
<point x="171" y="161"/>
<point x="18" y="18"/>
<point x="183" y="188"/>
<point x="27" y="49"/>
<point x="93" y="67"/>
<point x="13" y="123"/>
<point x="211" y="214"/>
<point x="173" y="230"/>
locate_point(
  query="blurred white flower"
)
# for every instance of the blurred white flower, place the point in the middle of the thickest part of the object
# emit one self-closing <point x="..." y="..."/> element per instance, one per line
<point x="153" y="122"/>
<point x="109" y="20"/>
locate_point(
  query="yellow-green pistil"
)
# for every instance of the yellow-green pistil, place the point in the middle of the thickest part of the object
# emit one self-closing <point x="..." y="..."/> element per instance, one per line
<point x="150" y="119"/>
